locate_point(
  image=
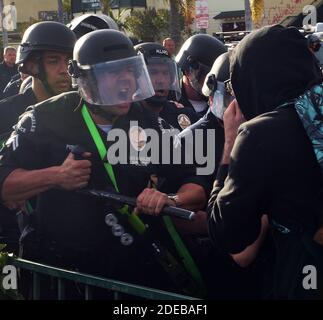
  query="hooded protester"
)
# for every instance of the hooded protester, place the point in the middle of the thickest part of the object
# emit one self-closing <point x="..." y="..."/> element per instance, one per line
<point x="270" y="168"/>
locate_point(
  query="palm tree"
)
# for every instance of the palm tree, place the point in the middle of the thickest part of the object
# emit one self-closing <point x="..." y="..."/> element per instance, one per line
<point x="178" y="9"/>
<point x="105" y="6"/>
<point x="187" y="9"/>
<point x="257" y="10"/>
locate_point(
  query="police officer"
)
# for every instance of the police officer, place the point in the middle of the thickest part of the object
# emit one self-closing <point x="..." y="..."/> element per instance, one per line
<point x="216" y="89"/>
<point x="85" y="232"/>
<point x="164" y="77"/>
<point x="7" y="67"/>
<point x="45" y="59"/>
<point x="196" y="58"/>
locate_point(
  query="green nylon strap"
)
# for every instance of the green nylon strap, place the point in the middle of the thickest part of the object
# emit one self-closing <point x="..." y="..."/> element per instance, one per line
<point x="29" y="207"/>
<point x="133" y="218"/>
<point x="187" y="259"/>
<point x="3" y="142"/>
<point x="99" y="144"/>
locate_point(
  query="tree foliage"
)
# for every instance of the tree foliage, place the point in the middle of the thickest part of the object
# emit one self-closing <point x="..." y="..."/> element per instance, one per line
<point x="182" y="15"/>
<point x="149" y="24"/>
<point x="257" y="10"/>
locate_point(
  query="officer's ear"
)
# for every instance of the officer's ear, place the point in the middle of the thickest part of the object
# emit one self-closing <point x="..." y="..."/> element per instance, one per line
<point x="31" y="67"/>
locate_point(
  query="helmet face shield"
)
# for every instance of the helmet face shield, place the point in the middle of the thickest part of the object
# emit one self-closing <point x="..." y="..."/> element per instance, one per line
<point x="220" y="100"/>
<point x="115" y="82"/>
<point x="196" y="76"/>
<point x="164" y="75"/>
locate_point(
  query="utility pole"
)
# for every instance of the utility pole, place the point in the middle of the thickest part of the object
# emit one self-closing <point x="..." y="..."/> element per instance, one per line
<point x="4" y="30"/>
<point x="248" y="20"/>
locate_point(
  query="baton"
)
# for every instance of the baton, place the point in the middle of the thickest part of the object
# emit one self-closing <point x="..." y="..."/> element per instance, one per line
<point x="118" y="198"/>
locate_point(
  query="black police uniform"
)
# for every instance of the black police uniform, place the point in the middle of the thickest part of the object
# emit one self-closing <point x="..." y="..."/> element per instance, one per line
<point x="12" y="107"/>
<point x="12" y="87"/>
<point x="72" y="224"/>
<point x="179" y="118"/>
<point x="10" y="110"/>
<point x="5" y="75"/>
<point x="209" y="122"/>
<point x="186" y="102"/>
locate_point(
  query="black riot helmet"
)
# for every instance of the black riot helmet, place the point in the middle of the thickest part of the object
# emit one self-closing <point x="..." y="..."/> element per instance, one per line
<point x="162" y="71"/>
<point x="91" y="22"/>
<point x="196" y="57"/>
<point x="107" y="69"/>
<point x="217" y="85"/>
<point x="40" y="37"/>
<point x="44" y="36"/>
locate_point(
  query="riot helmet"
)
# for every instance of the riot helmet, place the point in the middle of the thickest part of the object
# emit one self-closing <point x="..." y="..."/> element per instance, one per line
<point x="36" y="41"/>
<point x="162" y="70"/>
<point x="108" y="71"/>
<point x="91" y="22"/>
<point x="196" y="58"/>
<point x="217" y="85"/>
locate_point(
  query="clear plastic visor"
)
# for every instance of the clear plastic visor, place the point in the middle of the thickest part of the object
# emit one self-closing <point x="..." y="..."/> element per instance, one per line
<point x="220" y="100"/>
<point x="163" y="73"/>
<point x="115" y="82"/>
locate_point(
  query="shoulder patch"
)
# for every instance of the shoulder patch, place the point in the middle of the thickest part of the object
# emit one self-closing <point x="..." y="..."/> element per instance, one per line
<point x="138" y="137"/>
<point x="26" y="123"/>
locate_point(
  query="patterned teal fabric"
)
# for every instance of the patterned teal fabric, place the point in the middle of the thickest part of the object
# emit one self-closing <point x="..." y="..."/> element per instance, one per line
<point x="309" y="107"/>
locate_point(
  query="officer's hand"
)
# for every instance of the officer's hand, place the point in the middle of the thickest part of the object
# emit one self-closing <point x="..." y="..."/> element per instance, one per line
<point x="232" y="119"/>
<point x="15" y="205"/>
<point x="152" y="201"/>
<point x="74" y="174"/>
<point x="178" y="104"/>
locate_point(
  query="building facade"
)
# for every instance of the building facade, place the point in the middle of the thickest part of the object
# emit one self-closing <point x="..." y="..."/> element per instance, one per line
<point x="29" y="10"/>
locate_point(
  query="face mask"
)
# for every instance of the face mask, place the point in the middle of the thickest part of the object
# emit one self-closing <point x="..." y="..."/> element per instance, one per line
<point x="195" y="77"/>
<point x="196" y="85"/>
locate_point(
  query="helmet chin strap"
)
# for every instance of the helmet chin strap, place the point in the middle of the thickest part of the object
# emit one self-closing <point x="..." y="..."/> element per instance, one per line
<point x="43" y="78"/>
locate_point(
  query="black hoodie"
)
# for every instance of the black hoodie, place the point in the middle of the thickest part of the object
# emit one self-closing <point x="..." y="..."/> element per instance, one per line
<point x="271" y="66"/>
<point x="273" y="169"/>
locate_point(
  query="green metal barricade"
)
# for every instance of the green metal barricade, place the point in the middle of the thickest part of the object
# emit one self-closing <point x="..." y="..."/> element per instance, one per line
<point x="118" y="287"/>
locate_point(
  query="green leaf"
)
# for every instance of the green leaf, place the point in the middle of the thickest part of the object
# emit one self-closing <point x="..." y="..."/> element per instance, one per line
<point x="3" y="259"/>
<point x="2" y="246"/>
